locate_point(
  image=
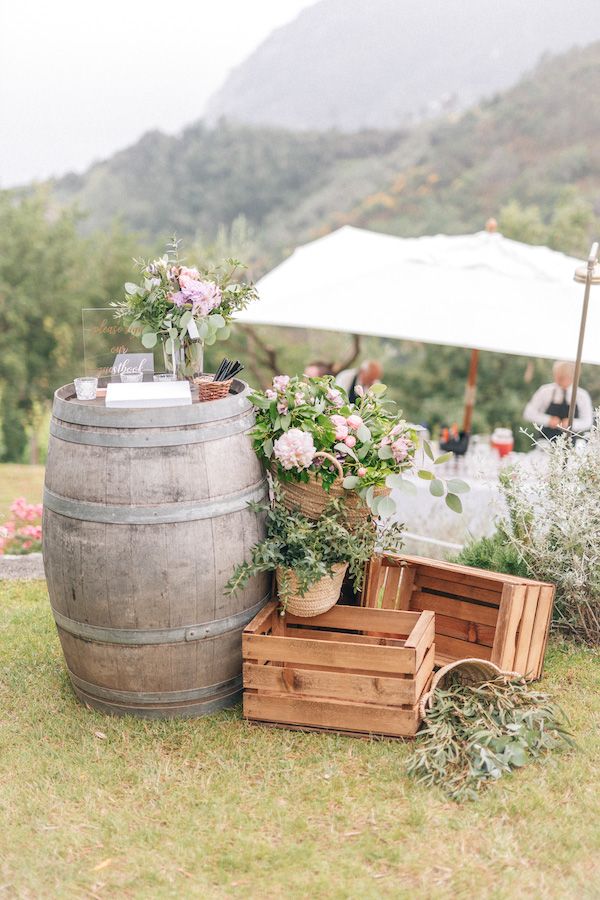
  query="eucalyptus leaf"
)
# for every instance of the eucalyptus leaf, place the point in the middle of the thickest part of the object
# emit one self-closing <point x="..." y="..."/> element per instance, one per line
<point x="363" y="434"/>
<point x="131" y="288"/>
<point x="394" y="481"/>
<point x="350" y="482"/>
<point x="210" y="340"/>
<point x="378" y="389"/>
<point x="149" y="340"/>
<point x="436" y="488"/>
<point x="385" y="452"/>
<point x="186" y="317"/>
<point x="425" y="474"/>
<point x="443" y="458"/>
<point x="458" y="486"/>
<point x="203" y="329"/>
<point x="386" y="507"/>
<point x="428" y="450"/>
<point x="224" y="333"/>
<point x="267" y="447"/>
<point x="454" y="503"/>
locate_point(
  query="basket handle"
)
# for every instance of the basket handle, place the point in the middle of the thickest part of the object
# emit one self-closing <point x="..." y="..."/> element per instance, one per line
<point x="332" y="460"/>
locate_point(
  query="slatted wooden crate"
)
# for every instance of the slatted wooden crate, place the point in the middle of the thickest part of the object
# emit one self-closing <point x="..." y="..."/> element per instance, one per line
<point x="477" y="613"/>
<point x="327" y="673"/>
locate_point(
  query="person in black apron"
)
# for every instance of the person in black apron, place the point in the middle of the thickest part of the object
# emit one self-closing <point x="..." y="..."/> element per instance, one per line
<point x="549" y="406"/>
<point x="558" y="410"/>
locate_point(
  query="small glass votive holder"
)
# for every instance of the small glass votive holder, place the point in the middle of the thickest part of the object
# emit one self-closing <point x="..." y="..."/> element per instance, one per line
<point x="131" y="377"/>
<point x="86" y="387"/>
<point x="165" y="376"/>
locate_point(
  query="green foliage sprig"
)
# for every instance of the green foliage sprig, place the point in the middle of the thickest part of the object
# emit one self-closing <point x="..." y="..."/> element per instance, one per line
<point x="311" y="548"/>
<point x="474" y="734"/>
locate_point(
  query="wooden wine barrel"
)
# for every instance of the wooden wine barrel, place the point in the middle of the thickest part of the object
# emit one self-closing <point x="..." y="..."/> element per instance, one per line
<point x="145" y="518"/>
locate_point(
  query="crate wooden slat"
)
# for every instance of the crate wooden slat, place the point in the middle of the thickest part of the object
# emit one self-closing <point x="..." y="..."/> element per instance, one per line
<point x="482" y="614"/>
<point x="336" y="672"/>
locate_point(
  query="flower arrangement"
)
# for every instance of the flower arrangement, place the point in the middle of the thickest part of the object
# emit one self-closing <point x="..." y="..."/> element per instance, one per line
<point x="22" y="533"/>
<point x="300" y="418"/>
<point x="309" y="549"/>
<point x="184" y="306"/>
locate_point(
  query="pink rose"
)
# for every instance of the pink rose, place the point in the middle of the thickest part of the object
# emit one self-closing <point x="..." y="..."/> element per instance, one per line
<point x="338" y="420"/>
<point x="350" y="441"/>
<point x="354" y="421"/>
<point x="361" y="472"/>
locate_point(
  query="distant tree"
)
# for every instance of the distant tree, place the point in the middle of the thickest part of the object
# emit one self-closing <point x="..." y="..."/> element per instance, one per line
<point x="48" y="272"/>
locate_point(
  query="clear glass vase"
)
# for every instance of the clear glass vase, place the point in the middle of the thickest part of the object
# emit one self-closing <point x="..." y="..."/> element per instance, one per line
<point x="185" y="361"/>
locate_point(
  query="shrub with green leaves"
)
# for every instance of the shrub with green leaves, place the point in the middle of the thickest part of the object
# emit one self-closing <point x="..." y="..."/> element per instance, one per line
<point x="553" y="527"/>
<point x="494" y="553"/>
<point x="474" y="734"/>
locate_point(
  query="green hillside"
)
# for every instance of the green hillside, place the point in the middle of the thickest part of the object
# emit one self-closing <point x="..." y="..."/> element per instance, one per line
<point x="538" y="144"/>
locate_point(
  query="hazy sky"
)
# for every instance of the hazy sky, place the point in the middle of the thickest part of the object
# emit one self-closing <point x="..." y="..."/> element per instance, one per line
<point x="80" y="79"/>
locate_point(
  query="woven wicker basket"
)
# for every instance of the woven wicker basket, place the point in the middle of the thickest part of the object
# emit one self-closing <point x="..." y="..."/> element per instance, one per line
<point x="319" y="598"/>
<point x="311" y="498"/>
<point x="208" y="389"/>
<point x="465" y="671"/>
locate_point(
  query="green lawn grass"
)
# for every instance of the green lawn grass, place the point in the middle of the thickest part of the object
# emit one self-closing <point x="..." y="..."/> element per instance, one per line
<point x="19" y="481"/>
<point x="92" y="806"/>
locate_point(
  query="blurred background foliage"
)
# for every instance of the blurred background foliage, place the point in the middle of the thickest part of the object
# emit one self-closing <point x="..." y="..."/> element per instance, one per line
<point x="529" y="156"/>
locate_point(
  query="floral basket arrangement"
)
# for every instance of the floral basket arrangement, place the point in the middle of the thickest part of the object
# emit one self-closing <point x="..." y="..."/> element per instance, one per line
<point x="185" y="307"/>
<point x="318" y="445"/>
<point x="311" y="557"/>
<point x="22" y="533"/>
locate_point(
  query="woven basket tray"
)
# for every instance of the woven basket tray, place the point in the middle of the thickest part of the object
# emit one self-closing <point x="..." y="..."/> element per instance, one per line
<point x="319" y="598"/>
<point x="212" y="390"/>
<point x="311" y="498"/>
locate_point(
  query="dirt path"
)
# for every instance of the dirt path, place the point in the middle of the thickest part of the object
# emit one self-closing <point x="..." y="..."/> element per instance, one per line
<point x="29" y="566"/>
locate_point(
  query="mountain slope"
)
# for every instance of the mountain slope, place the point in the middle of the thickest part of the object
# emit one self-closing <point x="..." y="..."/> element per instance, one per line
<point x="527" y="144"/>
<point x="349" y="64"/>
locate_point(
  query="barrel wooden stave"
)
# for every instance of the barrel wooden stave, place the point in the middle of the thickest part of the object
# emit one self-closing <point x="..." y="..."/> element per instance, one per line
<point x="136" y="571"/>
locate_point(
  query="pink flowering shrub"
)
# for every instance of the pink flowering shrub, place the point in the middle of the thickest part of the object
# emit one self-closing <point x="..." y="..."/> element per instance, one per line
<point x="22" y="533"/>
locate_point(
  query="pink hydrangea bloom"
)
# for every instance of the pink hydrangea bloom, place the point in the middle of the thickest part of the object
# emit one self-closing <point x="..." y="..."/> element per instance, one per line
<point x="354" y="421"/>
<point x="204" y="296"/>
<point x="295" y="449"/>
<point x="280" y="383"/>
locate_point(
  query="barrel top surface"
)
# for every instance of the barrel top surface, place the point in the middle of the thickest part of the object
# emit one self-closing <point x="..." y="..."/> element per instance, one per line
<point x="68" y="408"/>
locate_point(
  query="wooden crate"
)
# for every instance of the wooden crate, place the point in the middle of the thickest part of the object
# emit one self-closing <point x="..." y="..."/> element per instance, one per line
<point x="327" y="673"/>
<point x="477" y="613"/>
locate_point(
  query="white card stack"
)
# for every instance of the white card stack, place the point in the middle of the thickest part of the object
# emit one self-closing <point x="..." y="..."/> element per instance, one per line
<point x="148" y="393"/>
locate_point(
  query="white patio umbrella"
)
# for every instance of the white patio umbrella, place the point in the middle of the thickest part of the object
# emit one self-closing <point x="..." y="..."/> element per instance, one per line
<point x="480" y="291"/>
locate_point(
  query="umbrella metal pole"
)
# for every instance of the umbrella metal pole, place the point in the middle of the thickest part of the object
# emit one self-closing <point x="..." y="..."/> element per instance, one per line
<point x="470" y="391"/>
<point x="592" y="259"/>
